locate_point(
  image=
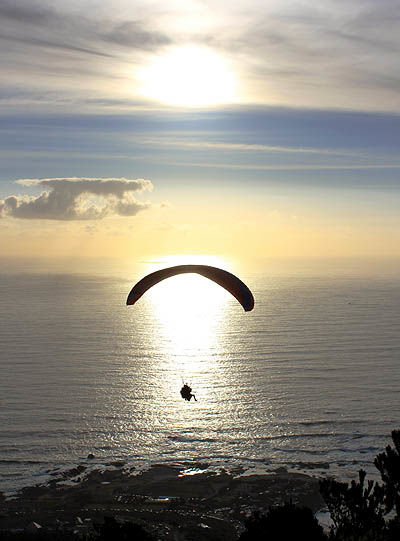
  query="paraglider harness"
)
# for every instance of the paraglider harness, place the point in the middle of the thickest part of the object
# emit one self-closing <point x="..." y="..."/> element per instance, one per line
<point x="186" y="392"/>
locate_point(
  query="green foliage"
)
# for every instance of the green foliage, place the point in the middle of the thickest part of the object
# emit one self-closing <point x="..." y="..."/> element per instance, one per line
<point x="286" y="522"/>
<point x="357" y="510"/>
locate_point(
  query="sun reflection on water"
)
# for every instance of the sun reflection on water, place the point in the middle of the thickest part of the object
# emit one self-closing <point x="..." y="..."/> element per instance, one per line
<point x="186" y="319"/>
<point x="189" y="311"/>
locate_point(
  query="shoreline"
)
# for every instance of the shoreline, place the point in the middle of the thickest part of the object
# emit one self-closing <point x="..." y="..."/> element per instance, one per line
<point x="191" y="500"/>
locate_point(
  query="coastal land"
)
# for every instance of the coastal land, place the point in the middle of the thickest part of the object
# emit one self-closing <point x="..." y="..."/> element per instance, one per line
<point x="185" y="501"/>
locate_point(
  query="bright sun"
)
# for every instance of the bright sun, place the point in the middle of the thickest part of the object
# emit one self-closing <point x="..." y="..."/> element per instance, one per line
<point x="189" y="76"/>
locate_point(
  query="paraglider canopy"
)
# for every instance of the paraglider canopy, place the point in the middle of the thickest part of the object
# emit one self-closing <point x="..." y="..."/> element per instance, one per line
<point x="222" y="277"/>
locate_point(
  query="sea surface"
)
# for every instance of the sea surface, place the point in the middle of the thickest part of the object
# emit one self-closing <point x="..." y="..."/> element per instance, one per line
<point x="309" y="380"/>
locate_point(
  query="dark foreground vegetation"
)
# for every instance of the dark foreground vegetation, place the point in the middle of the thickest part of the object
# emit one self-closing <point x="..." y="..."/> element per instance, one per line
<point x="360" y="511"/>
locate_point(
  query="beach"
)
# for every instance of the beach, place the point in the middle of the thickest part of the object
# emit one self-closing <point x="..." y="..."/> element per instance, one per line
<point x="186" y="501"/>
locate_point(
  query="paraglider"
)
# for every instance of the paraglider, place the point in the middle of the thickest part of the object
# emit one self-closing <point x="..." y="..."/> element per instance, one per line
<point x="222" y="277"/>
<point x="186" y="392"/>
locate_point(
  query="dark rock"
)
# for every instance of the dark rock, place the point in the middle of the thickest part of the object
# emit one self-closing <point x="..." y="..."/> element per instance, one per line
<point x="116" y="463"/>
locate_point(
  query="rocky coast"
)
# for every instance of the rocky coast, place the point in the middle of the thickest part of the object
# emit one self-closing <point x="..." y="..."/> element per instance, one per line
<point x="185" y="501"/>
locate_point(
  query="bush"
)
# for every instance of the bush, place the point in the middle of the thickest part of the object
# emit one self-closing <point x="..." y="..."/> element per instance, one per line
<point x="357" y="510"/>
<point x="111" y="530"/>
<point x="286" y="522"/>
<point x="388" y="464"/>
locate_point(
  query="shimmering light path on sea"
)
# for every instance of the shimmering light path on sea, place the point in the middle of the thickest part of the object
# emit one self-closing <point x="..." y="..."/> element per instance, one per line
<point x="309" y="378"/>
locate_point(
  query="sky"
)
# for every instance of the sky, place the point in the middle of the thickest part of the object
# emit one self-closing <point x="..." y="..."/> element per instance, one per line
<point x="245" y="130"/>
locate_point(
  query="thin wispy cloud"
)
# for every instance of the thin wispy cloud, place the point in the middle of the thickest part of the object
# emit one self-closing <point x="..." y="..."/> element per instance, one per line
<point x="55" y="26"/>
<point x="77" y="199"/>
<point x="284" y="167"/>
<point x="47" y="47"/>
<point x="252" y="147"/>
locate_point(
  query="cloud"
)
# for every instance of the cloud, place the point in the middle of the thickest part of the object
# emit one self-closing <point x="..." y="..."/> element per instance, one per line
<point x="286" y="167"/>
<point x="305" y="54"/>
<point x="47" y="43"/>
<point x="25" y="12"/>
<point x="77" y="199"/>
<point x="58" y="27"/>
<point x="136" y="34"/>
<point x="242" y="146"/>
<point x="69" y="53"/>
<point x="332" y="55"/>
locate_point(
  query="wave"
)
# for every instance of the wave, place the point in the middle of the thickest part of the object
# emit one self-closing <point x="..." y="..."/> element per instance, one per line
<point x="317" y="435"/>
<point x="333" y="422"/>
<point x="21" y="462"/>
<point x="184" y="439"/>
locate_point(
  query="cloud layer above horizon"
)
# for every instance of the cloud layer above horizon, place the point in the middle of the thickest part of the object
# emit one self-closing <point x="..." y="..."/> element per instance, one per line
<point x="330" y="55"/>
<point x="76" y="199"/>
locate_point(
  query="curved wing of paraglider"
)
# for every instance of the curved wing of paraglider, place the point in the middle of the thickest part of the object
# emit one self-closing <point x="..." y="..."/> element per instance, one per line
<point x="222" y="277"/>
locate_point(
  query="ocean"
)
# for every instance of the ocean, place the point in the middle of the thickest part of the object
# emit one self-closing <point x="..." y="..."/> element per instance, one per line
<point x="309" y="380"/>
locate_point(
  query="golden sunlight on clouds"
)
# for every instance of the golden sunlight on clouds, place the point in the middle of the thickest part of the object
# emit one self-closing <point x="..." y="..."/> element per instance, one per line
<point x="189" y="77"/>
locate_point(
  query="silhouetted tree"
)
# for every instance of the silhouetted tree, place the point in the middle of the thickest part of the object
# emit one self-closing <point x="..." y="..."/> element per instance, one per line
<point x="286" y="522"/>
<point x="357" y="510"/>
<point x="388" y="464"/>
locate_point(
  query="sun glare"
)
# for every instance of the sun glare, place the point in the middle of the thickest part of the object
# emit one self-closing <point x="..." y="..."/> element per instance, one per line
<point x="190" y="312"/>
<point x="189" y="77"/>
<point x="194" y="259"/>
